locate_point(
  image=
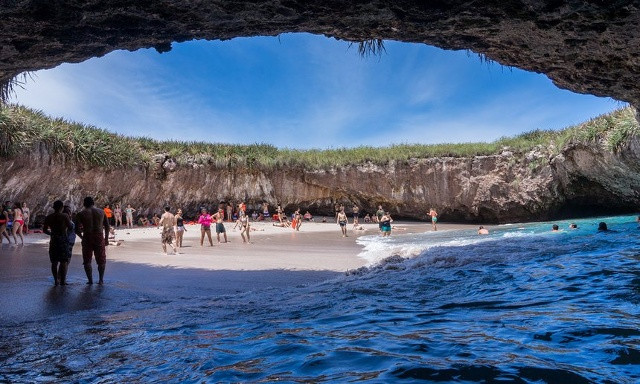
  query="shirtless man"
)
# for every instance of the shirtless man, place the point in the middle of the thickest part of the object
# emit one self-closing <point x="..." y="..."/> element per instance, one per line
<point x="93" y="228"/>
<point x="356" y="215"/>
<point x="57" y="225"/>
<point x="168" y="223"/>
<point x="434" y="218"/>
<point x="342" y="221"/>
<point x="483" y="231"/>
<point x="219" y="217"/>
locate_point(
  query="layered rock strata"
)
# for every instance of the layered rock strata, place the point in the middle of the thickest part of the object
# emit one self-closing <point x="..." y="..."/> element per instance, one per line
<point x="540" y="184"/>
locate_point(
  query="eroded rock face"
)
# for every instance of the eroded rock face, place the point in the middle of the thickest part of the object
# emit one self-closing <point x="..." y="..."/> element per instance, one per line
<point x="537" y="185"/>
<point x="589" y="46"/>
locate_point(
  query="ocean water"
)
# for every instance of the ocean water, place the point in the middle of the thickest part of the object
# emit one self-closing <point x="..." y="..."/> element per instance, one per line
<point x="522" y="305"/>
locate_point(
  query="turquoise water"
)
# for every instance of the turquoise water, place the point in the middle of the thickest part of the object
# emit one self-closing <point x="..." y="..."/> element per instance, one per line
<point x="522" y="305"/>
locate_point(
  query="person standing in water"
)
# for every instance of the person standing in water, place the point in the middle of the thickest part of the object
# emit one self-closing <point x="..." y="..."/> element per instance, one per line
<point x="71" y="235"/>
<point x="93" y="228"/>
<point x="434" y="218"/>
<point x="342" y="221"/>
<point x="386" y="221"/>
<point x="57" y="225"/>
<point x="378" y="216"/>
<point x="168" y="223"/>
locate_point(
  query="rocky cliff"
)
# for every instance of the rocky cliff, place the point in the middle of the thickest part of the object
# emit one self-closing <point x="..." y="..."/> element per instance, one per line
<point x="588" y="46"/>
<point x="538" y="184"/>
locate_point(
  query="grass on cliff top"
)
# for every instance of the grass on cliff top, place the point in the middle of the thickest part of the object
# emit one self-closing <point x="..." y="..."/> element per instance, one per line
<point x="23" y="130"/>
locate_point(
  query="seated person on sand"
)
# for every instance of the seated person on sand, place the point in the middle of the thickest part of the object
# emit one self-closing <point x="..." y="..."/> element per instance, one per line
<point x="112" y="237"/>
<point x="254" y="216"/>
<point x="143" y="221"/>
<point x="367" y="218"/>
<point x="307" y="216"/>
<point x="155" y="219"/>
<point x="483" y="231"/>
<point x="358" y="227"/>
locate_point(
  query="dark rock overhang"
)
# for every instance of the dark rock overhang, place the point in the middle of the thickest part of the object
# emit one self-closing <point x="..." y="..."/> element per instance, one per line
<point x="585" y="46"/>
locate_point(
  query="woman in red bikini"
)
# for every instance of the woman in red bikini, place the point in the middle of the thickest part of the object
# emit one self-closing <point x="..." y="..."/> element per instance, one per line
<point x="18" y="223"/>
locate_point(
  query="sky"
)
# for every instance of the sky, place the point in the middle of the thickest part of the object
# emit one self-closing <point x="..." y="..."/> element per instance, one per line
<point x="305" y="91"/>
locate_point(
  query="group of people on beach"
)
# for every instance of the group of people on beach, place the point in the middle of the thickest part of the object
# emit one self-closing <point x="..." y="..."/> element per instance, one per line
<point x="90" y="225"/>
<point x="14" y="221"/>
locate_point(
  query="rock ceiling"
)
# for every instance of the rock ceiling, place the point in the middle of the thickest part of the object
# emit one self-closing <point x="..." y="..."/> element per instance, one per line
<point x="584" y="46"/>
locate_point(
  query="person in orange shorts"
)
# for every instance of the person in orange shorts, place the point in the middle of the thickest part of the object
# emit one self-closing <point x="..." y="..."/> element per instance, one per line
<point x="93" y="228"/>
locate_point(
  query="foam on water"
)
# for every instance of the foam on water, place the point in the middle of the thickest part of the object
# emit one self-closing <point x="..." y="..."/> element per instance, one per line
<point x="522" y="305"/>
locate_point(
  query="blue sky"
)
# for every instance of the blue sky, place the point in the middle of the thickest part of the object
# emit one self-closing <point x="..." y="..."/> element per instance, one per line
<point x="305" y="91"/>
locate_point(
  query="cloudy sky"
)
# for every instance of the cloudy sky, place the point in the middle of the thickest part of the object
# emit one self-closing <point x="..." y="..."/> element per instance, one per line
<point x="305" y="91"/>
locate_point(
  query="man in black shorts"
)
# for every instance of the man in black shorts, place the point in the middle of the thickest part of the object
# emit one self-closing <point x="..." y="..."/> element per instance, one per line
<point x="56" y="225"/>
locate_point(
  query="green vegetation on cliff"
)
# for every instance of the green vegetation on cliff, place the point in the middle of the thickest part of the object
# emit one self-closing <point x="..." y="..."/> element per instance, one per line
<point x="23" y="131"/>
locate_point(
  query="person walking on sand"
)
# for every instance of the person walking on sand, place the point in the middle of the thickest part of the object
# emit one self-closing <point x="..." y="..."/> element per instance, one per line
<point x="180" y="228"/>
<point x="117" y="215"/>
<point x="18" y="223"/>
<point x="385" y="222"/>
<point x="219" y="218"/>
<point x="129" y="215"/>
<point x="434" y="218"/>
<point x="93" y="228"/>
<point x="4" y="222"/>
<point x="205" y="220"/>
<point x="26" y="214"/>
<point x="168" y="224"/>
<point x="342" y="221"/>
<point x="57" y="225"/>
<point x="245" y="227"/>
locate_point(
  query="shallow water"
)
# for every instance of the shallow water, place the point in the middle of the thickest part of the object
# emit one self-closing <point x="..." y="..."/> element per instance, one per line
<point x="522" y="305"/>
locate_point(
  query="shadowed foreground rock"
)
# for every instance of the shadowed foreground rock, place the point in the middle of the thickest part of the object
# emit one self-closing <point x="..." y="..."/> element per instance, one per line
<point x="540" y="184"/>
<point x="585" y="46"/>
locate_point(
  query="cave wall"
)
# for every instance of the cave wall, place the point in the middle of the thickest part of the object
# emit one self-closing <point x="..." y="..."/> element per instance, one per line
<point x="584" y="46"/>
<point x="507" y="187"/>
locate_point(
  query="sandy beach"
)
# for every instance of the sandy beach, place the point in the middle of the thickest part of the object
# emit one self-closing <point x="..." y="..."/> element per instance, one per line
<point x="276" y="258"/>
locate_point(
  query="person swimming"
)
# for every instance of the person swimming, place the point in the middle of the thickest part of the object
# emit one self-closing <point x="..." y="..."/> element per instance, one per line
<point x="483" y="231"/>
<point x="602" y="226"/>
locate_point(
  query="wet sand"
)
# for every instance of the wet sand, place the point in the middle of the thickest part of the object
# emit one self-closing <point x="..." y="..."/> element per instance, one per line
<point x="276" y="258"/>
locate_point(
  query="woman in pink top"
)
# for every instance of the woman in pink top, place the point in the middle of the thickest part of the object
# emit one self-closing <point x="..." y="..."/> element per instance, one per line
<point x="205" y="220"/>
